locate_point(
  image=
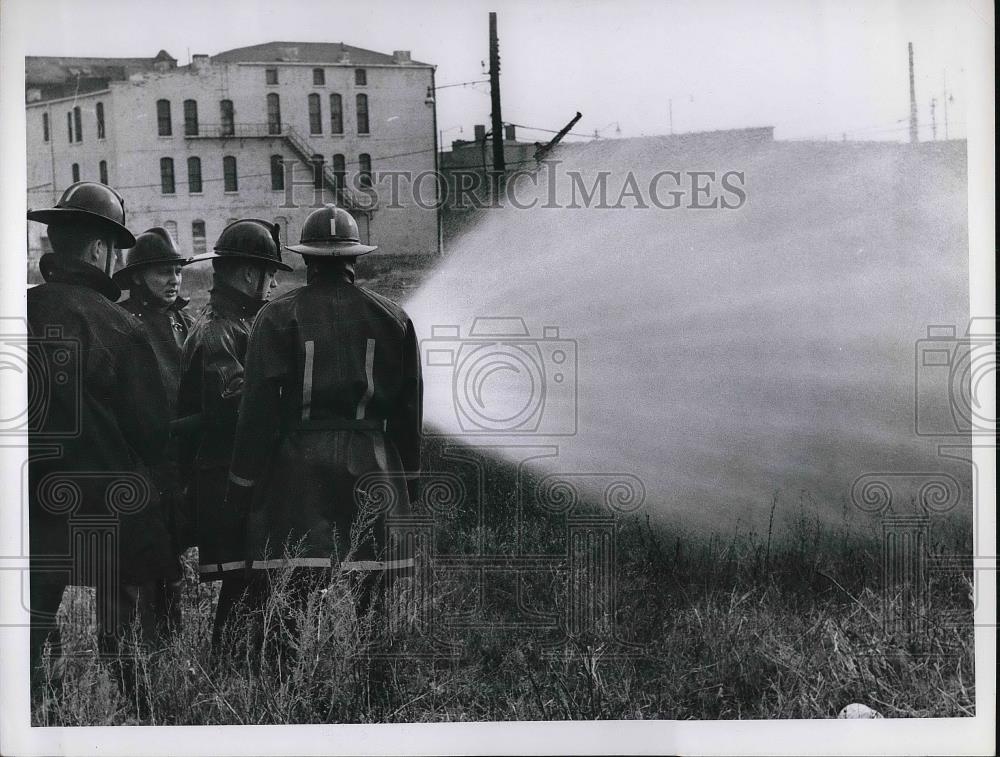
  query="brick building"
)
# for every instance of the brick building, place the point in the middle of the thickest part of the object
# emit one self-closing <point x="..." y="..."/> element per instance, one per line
<point x="262" y="131"/>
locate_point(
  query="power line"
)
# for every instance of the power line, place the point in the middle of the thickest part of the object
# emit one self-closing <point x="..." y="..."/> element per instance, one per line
<point x="550" y="131"/>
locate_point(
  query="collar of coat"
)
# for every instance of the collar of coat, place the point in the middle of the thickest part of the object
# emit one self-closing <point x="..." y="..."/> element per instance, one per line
<point x="330" y="271"/>
<point x="234" y="302"/>
<point x="141" y="303"/>
<point x="58" y="269"/>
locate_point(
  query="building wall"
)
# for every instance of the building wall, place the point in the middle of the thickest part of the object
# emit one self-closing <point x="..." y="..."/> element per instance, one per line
<point x="400" y="138"/>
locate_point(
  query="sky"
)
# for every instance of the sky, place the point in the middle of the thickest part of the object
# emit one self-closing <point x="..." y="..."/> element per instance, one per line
<point x="813" y="70"/>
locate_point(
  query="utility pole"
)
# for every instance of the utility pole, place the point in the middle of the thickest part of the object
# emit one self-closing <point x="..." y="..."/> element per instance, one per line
<point x="933" y="119"/>
<point x="499" y="165"/>
<point x="944" y="99"/>
<point x="914" y="137"/>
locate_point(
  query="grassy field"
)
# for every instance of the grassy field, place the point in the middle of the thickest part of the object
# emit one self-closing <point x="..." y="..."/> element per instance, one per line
<point x="782" y="624"/>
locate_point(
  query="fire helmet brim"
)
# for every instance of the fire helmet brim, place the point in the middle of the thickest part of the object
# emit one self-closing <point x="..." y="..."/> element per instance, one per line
<point x="124" y="238"/>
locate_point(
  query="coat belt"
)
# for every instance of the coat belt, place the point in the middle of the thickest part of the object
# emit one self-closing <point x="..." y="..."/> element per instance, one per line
<point x="337" y="424"/>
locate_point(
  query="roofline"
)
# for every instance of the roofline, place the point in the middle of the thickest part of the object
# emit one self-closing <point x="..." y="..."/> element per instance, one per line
<point x="315" y="64"/>
<point x="36" y="103"/>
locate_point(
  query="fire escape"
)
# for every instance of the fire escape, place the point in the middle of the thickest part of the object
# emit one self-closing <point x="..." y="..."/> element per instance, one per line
<point x="363" y="202"/>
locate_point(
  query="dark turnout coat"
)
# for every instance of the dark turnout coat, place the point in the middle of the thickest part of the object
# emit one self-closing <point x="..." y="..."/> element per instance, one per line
<point x="100" y="426"/>
<point x="330" y="424"/>
<point x="167" y="329"/>
<point x="211" y="386"/>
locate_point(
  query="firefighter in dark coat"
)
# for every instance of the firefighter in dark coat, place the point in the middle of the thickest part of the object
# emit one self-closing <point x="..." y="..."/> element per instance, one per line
<point x="152" y="276"/>
<point x="245" y="260"/>
<point x="330" y="421"/>
<point x="94" y="514"/>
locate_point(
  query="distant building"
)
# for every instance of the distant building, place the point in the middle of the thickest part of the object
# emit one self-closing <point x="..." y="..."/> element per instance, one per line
<point x="467" y="166"/>
<point x="250" y="132"/>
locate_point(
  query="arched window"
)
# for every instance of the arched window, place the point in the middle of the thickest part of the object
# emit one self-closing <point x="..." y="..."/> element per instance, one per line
<point x="69" y="125"/>
<point x="102" y="168"/>
<point x="100" y="120"/>
<point x="167" y="176"/>
<point x="191" y="118"/>
<point x="171" y="227"/>
<point x="198" y="237"/>
<point x="45" y="127"/>
<point x="194" y="175"/>
<point x="365" y="169"/>
<point x="273" y="114"/>
<point x="163" y="127"/>
<point x="315" y="116"/>
<point x="362" y="108"/>
<point x="277" y="172"/>
<point x="340" y="170"/>
<point x="229" y="174"/>
<point x="336" y="114"/>
<point x="317" y="168"/>
<point x="227" y="120"/>
<point x="76" y="172"/>
<point x="78" y="123"/>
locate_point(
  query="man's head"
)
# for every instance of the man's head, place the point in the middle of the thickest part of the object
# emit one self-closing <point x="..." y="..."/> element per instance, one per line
<point x="87" y="241"/>
<point x="247" y="256"/>
<point x="160" y="282"/>
<point x="87" y="224"/>
<point x="153" y="269"/>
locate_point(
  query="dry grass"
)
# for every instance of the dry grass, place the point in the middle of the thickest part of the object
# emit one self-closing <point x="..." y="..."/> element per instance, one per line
<point x="787" y="624"/>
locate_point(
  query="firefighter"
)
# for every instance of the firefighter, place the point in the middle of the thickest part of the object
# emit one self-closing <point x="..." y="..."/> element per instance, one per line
<point x="245" y="261"/>
<point x="152" y="276"/>
<point x="94" y="514"/>
<point x="332" y="401"/>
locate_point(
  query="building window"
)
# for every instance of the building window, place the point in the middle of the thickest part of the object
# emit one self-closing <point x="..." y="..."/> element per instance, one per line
<point x="45" y="127"/>
<point x="319" y="77"/>
<point x="277" y="172"/>
<point x="362" y="107"/>
<point x="365" y="169"/>
<point x="315" y="115"/>
<point x="360" y="77"/>
<point x="198" y="237"/>
<point x="227" y="120"/>
<point x="76" y="172"/>
<point x="100" y="121"/>
<point x="317" y="167"/>
<point x="167" y="176"/>
<point x="336" y="114"/>
<point x="271" y="75"/>
<point x="191" y="118"/>
<point x="194" y="175"/>
<point x="229" y="173"/>
<point x="273" y="114"/>
<point x="78" y="124"/>
<point x="102" y="168"/>
<point x="163" y="118"/>
<point x="339" y="170"/>
<point x="171" y="227"/>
